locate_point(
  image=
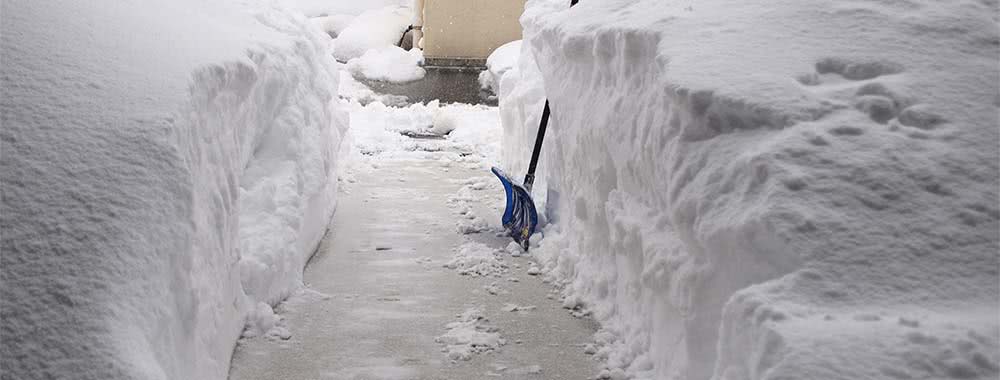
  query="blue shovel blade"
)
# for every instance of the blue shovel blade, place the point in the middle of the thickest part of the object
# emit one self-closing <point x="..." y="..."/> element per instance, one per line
<point x="519" y="217"/>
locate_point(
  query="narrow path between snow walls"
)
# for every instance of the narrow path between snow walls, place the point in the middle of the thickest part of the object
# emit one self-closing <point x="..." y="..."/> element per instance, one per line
<point x="763" y="190"/>
<point x="416" y="278"/>
<point x="413" y="282"/>
<point x="167" y="169"/>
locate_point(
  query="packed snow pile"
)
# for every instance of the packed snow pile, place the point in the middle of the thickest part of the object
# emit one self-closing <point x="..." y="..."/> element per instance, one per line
<point x="478" y="259"/>
<point x="167" y="169"/>
<point x="499" y="63"/>
<point x="390" y="63"/>
<point x="469" y="335"/>
<point x="373" y="29"/>
<point x="764" y="190"/>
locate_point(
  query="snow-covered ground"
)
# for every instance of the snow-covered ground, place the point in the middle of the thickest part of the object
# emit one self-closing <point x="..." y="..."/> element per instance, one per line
<point x="379" y="131"/>
<point x="765" y="190"/>
<point x="168" y="168"/>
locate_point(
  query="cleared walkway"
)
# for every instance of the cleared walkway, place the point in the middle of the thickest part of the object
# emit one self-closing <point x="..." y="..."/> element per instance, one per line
<point x="389" y="296"/>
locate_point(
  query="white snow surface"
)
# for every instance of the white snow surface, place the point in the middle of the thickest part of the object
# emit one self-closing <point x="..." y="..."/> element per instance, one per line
<point x="499" y="63"/>
<point x="390" y="63"/>
<point x="168" y="167"/>
<point x="770" y="190"/>
<point x="376" y="130"/>
<point x="372" y="29"/>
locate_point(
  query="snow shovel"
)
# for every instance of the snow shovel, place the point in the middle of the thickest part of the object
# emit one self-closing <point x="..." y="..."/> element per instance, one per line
<point x="520" y="216"/>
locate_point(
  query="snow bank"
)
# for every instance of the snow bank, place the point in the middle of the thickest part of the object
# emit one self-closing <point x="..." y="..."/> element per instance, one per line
<point x="390" y="63"/>
<point x="166" y="166"/>
<point x="764" y="190"/>
<point x="373" y="29"/>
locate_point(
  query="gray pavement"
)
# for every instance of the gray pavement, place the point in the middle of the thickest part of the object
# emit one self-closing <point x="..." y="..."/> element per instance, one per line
<point x="445" y="85"/>
<point x="385" y="306"/>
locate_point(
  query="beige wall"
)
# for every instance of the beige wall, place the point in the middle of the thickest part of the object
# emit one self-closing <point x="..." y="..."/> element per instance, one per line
<point x="469" y="28"/>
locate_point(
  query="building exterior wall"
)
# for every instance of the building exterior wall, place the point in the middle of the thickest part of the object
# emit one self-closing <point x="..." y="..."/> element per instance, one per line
<point x="465" y="32"/>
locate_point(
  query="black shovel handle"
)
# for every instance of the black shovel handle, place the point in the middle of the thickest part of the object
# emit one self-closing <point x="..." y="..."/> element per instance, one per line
<point x="529" y="179"/>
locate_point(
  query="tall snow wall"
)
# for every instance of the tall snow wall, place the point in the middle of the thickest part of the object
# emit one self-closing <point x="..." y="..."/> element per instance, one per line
<point x="770" y="190"/>
<point x="165" y="166"/>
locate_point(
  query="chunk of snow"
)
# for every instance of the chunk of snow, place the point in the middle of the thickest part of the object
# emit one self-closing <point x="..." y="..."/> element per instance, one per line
<point x="472" y="226"/>
<point x="469" y="335"/>
<point x="514" y="249"/>
<point x="535" y="239"/>
<point x="443" y="123"/>
<point x="534" y="270"/>
<point x="477" y="259"/>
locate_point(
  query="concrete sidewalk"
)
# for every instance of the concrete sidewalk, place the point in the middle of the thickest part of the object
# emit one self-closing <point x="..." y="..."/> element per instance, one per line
<point x="389" y="295"/>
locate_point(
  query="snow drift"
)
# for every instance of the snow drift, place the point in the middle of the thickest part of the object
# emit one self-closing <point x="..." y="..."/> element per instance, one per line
<point x="166" y="167"/>
<point x="770" y="190"/>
